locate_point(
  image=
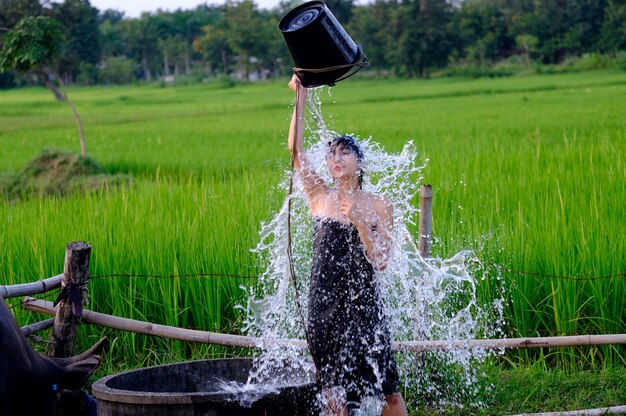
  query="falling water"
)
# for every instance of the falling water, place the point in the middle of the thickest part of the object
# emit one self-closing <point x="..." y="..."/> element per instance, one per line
<point x="432" y="299"/>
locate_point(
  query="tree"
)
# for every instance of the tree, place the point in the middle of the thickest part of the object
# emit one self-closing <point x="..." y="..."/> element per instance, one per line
<point x="369" y="27"/>
<point x="423" y="40"/>
<point x="79" y="21"/>
<point x="244" y="28"/>
<point x="11" y="11"/>
<point x="175" y="52"/>
<point x="341" y="9"/>
<point x="213" y="47"/>
<point x="34" y="45"/>
<point x="111" y="34"/>
<point x="484" y="30"/>
<point x="584" y="22"/>
<point x="527" y="44"/>
<point x="110" y="15"/>
<point x="142" y="39"/>
<point x="186" y="26"/>
<point x="612" y="36"/>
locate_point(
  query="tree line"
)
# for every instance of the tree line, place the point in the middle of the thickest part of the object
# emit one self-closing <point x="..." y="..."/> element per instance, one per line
<point x="408" y="38"/>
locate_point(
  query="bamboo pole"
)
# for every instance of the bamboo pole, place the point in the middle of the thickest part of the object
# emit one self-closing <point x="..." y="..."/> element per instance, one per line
<point x="613" y="410"/>
<point x="148" y="328"/>
<point x="32" y="288"/>
<point x="540" y="342"/>
<point x="70" y="300"/>
<point x="31" y="329"/>
<point x="426" y="220"/>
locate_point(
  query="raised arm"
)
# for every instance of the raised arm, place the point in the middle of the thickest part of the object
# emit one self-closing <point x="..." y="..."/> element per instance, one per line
<point x="296" y="129"/>
<point x="314" y="186"/>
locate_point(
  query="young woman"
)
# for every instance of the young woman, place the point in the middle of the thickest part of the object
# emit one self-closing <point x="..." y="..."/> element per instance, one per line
<point x="346" y="327"/>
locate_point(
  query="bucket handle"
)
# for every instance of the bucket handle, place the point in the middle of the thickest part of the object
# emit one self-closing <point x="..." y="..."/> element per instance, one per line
<point x="357" y="65"/>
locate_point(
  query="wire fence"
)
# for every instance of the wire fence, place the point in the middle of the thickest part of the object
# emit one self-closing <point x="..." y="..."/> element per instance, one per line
<point x="173" y="276"/>
<point x="553" y="276"/>
<point x="500" y="268"/>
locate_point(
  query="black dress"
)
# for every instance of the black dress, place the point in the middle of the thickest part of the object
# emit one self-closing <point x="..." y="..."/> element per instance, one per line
<point x="348" y="336"/>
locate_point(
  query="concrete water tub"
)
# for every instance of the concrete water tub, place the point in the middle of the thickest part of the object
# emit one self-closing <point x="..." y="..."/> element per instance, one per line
<point x="197" y="388"/>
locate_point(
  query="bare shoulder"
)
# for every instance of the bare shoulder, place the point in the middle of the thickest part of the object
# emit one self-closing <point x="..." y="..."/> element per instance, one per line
<point x="382" y="206"/>
<point x="380" y="203"/>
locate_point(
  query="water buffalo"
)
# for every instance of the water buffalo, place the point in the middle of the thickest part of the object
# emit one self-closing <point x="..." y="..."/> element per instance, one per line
<point x="30" y="383"/>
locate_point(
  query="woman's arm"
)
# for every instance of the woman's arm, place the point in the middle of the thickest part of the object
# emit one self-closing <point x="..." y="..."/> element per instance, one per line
<point x="374" y="228"/>
<point x="314" y="186"/>
<point x="296" y="129"/>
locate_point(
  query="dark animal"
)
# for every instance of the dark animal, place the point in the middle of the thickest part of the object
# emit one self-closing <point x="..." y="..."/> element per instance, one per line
<point x="32" y="384"/>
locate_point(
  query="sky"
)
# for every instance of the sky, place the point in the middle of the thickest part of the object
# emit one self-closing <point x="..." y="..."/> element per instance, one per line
<point x="133" y="8"/>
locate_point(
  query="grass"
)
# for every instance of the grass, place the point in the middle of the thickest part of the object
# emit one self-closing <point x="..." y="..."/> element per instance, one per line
<point x="535" y="390"/>
<point x="172" y="217"/>
<point x="527" y="171"/>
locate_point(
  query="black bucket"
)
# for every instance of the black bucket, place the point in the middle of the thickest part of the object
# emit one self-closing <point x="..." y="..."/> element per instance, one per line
<point x="320" y="48"/>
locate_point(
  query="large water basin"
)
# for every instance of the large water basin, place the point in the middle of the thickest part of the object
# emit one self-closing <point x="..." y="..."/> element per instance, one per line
<point x="202" y="388"/>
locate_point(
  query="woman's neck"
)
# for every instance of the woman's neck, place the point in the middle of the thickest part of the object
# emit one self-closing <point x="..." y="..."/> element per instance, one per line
<point x="347" y="184"/>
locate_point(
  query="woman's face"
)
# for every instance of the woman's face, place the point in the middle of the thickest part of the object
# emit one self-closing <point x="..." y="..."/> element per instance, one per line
<point x="341" y="161"/>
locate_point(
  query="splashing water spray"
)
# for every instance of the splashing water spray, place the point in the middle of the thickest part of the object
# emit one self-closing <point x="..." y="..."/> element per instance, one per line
<point x="433" y="299"/>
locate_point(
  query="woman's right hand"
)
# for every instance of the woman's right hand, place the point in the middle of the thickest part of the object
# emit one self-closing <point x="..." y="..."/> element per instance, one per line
<point x="296" y="86"/>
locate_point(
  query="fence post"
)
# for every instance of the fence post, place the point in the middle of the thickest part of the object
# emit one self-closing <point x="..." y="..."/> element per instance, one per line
<point x="426" y="220"/>
<point x="70" y="301"/>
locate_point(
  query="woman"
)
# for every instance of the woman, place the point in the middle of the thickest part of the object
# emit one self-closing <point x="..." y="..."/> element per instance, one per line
<point x="346" y="328"/>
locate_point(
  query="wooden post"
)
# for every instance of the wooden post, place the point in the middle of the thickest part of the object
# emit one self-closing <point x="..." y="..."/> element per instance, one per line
<point x="70" y="300"/>
<point x="426" y="220"/>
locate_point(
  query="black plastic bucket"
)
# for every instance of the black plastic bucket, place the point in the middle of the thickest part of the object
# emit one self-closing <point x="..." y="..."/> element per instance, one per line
<point x="321" y="50"/>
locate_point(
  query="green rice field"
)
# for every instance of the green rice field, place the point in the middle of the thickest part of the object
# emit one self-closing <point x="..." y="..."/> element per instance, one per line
<point x="529" y="172"/>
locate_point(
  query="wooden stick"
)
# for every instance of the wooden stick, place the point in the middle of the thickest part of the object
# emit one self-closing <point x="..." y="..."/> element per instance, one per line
<point x="31" y="329"/>
<point x="32" y="288"/>
<point x="148" y="328"/>
<point x="69" y="312"/>
<point x="614" y="410"/>
<point x="426" y="220"/>
<point x="542" y="342"/>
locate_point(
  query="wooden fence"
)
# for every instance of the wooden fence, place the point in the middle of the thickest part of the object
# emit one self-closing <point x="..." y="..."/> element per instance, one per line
<point x="69" y="312"/>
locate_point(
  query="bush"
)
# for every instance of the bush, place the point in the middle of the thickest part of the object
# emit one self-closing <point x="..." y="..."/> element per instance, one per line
<point x="197" y="75"/>
<point x="475" y="71"/>
<point x="87" y="74"/>
<point x="7" y="81"/>
<point x="588" y="62"/>
<point x="117" y="70"/>
<point x="620" y="61"/>
<point x="515" y="65"/>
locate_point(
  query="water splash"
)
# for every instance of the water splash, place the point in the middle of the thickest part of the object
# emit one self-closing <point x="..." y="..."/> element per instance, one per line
<point x="434" y="299"/>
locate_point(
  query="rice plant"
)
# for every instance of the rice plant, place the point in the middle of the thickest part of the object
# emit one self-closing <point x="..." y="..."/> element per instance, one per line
<point x="529" y="172"/>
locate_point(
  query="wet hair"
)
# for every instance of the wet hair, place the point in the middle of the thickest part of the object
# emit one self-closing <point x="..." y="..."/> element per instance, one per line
<point x="350" y="143"/>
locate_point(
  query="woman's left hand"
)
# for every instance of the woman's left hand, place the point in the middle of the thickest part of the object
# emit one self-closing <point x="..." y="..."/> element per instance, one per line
<point x="349" y="208"/>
